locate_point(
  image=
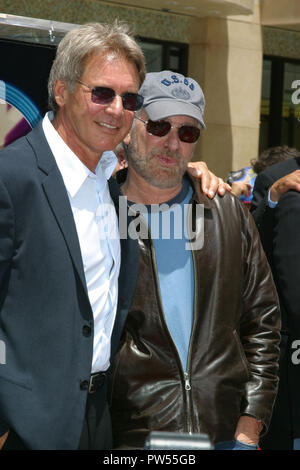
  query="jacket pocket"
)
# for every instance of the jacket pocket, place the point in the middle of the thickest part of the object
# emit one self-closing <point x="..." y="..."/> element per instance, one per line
<point x="242" y="354"/>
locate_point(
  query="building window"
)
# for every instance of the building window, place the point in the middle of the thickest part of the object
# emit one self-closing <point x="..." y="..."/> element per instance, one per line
<point x="280" y="111"/>
<point x="164" y="55"/>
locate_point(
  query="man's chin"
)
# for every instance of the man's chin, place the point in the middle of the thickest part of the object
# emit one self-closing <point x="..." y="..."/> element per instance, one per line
<point x="164" y="181"/>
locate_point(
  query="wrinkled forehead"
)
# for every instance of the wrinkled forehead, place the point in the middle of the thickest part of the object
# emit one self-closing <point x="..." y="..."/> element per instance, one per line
<point x="107" y="59"/>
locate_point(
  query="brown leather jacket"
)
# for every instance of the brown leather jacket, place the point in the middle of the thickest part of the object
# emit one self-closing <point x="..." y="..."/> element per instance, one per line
<point x="233" y="353"/>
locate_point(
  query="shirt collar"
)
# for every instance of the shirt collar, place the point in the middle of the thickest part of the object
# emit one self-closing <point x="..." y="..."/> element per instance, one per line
<point x="73" y="171"/>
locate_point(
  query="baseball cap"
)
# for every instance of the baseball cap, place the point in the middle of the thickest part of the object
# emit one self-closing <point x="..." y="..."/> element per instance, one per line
<point x="169" y="93"/>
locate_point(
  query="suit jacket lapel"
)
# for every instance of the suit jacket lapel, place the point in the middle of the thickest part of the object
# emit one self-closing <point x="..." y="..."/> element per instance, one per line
<point x="57" y="197"/>
<point x="128" y="271"/>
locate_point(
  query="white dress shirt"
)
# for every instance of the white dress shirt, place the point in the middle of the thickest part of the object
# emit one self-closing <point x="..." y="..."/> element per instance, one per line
<point x="97" y="228"/>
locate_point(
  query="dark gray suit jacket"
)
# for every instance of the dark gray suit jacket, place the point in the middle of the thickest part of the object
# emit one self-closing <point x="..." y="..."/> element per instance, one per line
<point x="260" y="210"/>
<point x="44" y="305"/>
<point x="279" y="233"/>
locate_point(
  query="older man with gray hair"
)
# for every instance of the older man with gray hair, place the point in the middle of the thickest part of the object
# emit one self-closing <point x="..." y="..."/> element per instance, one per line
<point x="199" y="348"/>
<point x="58" y="267"/>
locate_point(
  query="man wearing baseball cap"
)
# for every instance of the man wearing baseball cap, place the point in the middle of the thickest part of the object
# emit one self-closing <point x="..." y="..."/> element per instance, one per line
<point x="199" y="346"/>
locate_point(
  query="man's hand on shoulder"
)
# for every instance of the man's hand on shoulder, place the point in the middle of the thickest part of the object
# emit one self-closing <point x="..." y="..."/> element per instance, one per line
<point x="248" y="430"/>
<point x="284" y="184"/>
<point x="210" y="183"/>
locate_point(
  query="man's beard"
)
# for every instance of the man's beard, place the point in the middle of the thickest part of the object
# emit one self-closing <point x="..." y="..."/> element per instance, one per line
<point x="151" y="170"/>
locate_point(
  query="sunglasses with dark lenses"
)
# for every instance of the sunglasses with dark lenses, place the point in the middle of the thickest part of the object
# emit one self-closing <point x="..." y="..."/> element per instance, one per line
<point x="104" y="95"/>
<point x="188" y="134"/>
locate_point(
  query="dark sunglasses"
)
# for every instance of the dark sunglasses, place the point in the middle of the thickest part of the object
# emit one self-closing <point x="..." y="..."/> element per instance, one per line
<point x="104" y="95"/>
<point x="188" y="134"/>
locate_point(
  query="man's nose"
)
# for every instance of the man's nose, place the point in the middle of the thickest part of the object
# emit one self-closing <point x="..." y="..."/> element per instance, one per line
<point x="116" y="106"/>
<point x="172" y="140"/>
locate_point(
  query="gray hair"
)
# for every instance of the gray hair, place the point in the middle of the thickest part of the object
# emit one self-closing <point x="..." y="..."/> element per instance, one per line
<point x="80" y="43"/>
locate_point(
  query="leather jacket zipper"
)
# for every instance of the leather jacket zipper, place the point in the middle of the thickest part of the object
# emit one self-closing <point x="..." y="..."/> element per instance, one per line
<point x="188" y="388"/>
<point x="185" y="375"/>
<point x="187" y="381"/>
<point x="153" y="256"/>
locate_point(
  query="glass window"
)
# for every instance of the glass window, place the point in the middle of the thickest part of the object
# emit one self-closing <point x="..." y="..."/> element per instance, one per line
<point x="154" y="56"/>
<point x="290" y="130"/>
<point x="174" y="58"/>
<point x="164" y="55"/>
<point x="280" y="103"/>
<point x="265" y="105"/>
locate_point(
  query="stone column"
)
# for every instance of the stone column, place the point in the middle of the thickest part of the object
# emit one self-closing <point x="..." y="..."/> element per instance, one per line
<point x="226" y="57"/>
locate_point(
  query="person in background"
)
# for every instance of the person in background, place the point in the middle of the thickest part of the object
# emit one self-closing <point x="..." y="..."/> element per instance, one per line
<point x="199" y="345"/>
<point x="275" y="208"/>
<point x="242" y="181"/>
<point x="273" y="182"/>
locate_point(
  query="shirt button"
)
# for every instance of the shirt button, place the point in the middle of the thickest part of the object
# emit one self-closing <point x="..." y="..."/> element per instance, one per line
<point x="84" y="385"/>
<point x="86" y="330"/>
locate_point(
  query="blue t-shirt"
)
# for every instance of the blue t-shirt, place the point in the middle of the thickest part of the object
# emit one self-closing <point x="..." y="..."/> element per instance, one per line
<point x="174" y="266"/>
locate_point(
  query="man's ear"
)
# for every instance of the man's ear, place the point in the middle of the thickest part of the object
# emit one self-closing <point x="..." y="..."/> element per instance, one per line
<point x="60" y="92"/>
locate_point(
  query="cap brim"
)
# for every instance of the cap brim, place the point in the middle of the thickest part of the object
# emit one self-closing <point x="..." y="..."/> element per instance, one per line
<point x="165" y="108"/>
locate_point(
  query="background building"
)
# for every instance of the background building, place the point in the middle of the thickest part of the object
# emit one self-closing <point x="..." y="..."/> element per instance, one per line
<point x="244" y="53"/>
